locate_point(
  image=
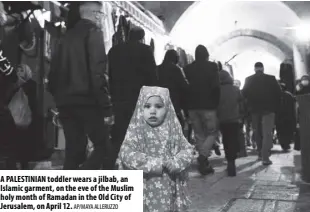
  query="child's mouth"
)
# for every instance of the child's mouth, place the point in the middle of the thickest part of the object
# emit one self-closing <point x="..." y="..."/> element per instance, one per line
<point x="153" y="119"/>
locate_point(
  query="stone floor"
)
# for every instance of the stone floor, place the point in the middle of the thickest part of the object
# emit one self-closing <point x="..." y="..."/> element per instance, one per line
<point x="257" y="188"/>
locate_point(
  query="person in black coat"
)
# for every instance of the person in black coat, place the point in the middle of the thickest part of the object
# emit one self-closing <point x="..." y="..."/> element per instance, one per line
<point x="10" y="52"/>
<point x="27" y="143"/>
<point x="287" y="77"/>
<point x="286" y="118"/>
<point x="262" y="93"/>
<point x="131" y="66"/>
<point x="79" y="85"/>
<point x="302" y="88"/>
<point x="202" y="102"/>
<point x="8" y="77"/>
<point x="170" y="76"/>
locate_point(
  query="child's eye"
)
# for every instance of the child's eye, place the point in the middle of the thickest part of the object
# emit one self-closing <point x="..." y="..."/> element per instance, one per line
<point x="159" y="106"/>
<point x="147" y="106"/>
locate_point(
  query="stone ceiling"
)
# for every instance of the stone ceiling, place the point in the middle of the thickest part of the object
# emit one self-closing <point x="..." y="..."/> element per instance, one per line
<point x="171" y="11"/>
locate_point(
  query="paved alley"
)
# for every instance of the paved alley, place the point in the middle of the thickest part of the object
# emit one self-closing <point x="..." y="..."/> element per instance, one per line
<point x="257" y="188"/>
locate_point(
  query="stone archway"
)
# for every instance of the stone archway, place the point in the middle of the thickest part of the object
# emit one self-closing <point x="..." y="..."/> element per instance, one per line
<point x="202" y="23"/>
<point x="287" y="50"/>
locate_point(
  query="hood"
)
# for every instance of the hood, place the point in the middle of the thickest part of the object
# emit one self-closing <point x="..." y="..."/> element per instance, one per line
<point x="201" y="53"/>
<point x="171" y="57"/>
<point x="225" y="78"/>
<point x="136" y="34"/>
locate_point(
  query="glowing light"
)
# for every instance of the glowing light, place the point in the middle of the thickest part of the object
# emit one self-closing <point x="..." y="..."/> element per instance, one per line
<point x="303" y="32"/>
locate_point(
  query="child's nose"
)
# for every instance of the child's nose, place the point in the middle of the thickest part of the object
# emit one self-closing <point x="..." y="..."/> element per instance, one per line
<point x="153" y="111"/>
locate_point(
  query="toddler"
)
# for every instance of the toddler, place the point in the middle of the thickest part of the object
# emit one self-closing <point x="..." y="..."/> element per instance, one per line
<point x="155" y="143"/>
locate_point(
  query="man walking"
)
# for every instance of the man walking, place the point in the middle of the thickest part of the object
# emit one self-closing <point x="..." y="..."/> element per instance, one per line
<point x="203" y="100"/>
<point x="263" y="94"/>
<point x="131" y="66"/>
<point x="79" y="85"/>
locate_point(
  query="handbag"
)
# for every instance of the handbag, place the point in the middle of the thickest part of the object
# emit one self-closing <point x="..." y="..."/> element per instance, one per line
<point x="19" y="108"/>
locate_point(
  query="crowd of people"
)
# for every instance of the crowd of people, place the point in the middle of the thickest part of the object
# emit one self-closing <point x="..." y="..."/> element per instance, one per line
<point x="135" y="113"/>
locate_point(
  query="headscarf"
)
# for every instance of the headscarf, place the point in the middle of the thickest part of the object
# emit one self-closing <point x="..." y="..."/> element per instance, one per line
<point x="169" y="131"/>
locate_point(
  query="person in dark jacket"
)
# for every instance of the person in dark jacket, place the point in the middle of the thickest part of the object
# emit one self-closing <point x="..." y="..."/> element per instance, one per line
<point x="78" y="82"/>
<point x="303" y="87"/>
<point x="170" y="76"/>
<point x="242" y="112"/>
<point x="27" y="142"/>
<point x="287" y="77"/>
<point x="217" y="143"/>
<point x="229" y="118"/>
<point x="286" y="119"/>
<point x="249" y="139"/>
<point x="8" y="77"/>
<point x="262" y="93"/>
<point x="10" y="38"/>
<point x="203" y="100"/>
<point x="131" y="66"/>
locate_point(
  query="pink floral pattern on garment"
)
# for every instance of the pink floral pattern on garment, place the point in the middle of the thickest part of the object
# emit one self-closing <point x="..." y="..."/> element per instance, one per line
<point x="145" y="148"/>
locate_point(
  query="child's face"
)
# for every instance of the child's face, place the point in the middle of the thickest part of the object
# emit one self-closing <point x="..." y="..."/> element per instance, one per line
<point x="154" y="111"/>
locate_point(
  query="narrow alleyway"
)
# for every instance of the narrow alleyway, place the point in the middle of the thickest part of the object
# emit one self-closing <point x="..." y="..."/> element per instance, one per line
<point x="257" y="188"/>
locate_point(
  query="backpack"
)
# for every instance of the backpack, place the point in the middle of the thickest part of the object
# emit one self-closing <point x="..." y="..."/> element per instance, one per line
<point x="20" y="110"/>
